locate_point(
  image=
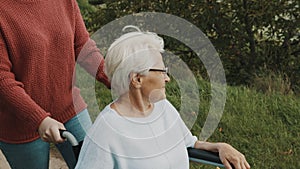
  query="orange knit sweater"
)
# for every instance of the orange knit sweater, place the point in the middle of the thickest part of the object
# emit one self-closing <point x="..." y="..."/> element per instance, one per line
<point x="40" y="42"/>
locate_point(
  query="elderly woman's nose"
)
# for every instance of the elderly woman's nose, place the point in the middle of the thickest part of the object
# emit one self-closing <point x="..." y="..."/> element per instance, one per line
<point x="167" y="78"/>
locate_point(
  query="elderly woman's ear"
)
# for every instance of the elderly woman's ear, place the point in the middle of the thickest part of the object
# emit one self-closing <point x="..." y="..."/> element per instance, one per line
<point x="135" y="80"/>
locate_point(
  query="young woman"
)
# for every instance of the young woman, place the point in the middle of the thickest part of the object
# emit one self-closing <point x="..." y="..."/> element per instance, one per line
<point x="40" y="41"/>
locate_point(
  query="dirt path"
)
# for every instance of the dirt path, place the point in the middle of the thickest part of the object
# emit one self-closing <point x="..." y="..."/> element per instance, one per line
<point x="56" y="161"/>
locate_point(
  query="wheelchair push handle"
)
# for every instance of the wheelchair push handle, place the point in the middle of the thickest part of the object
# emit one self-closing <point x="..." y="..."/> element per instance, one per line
<point x="69" y="136"/>
<point x="205" y="157"/>
<point x="76" y="146"/>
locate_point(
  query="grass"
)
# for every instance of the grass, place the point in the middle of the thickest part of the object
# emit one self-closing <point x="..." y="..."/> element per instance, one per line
<point x="265" y="127"/>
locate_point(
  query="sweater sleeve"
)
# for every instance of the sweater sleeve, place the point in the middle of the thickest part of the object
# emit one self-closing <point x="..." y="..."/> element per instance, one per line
<point x="87" y="54"/>
<point x="92" y="61"/>
<point x="189" y="139"/>
<point x="13" y="96"/>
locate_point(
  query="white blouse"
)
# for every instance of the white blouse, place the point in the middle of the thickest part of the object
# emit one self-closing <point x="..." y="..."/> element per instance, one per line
<point x="158" y="141"/>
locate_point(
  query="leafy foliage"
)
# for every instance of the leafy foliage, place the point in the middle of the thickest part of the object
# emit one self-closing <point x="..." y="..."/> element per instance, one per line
<point x="251" y="36"/>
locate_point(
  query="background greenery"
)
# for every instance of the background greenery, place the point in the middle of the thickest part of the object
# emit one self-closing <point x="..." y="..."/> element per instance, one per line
<point x="258" y="43"/>
<point x="255" y="39"/>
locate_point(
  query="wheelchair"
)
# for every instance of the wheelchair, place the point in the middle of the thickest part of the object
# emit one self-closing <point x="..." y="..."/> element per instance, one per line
<point x="195" y="155"/>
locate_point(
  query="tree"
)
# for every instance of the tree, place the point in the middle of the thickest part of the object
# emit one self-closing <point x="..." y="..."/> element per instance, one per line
<point x="251" y="36"/>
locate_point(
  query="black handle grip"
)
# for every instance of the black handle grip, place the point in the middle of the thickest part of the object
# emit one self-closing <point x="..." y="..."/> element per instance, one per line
<point x="204" y="155"/>
<point x="61" y="132"/>
<point x="69" y="136"/>
<point x="76" y="146"/>
<point x="208" y="157"/>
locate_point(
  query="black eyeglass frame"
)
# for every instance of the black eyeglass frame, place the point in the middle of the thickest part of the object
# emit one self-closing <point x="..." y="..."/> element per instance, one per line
<point x="166" y="70"/>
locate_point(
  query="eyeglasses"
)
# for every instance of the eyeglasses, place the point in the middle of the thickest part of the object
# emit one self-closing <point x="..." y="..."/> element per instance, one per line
<point x="165" y="71"/>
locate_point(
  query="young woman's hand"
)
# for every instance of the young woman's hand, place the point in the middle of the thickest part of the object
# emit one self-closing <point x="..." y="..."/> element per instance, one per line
<point x="49" y="130"/>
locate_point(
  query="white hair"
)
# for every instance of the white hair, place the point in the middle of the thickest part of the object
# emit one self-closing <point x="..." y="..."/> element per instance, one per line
<point x="132" y="52"/>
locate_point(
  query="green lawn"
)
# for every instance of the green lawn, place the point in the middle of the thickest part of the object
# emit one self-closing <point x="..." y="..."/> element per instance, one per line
<point x="265" y="127"/>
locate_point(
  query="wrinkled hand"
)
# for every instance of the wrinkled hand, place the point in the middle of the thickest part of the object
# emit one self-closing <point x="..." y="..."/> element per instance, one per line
<point x="49" y="130"/>
<point x="230" y="155"/>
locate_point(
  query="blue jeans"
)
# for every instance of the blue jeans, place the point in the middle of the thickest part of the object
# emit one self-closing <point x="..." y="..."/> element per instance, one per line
<point x="35" y="154"/>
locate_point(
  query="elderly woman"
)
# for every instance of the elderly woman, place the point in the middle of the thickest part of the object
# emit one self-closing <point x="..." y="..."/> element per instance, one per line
<point x="140" y="129"/>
